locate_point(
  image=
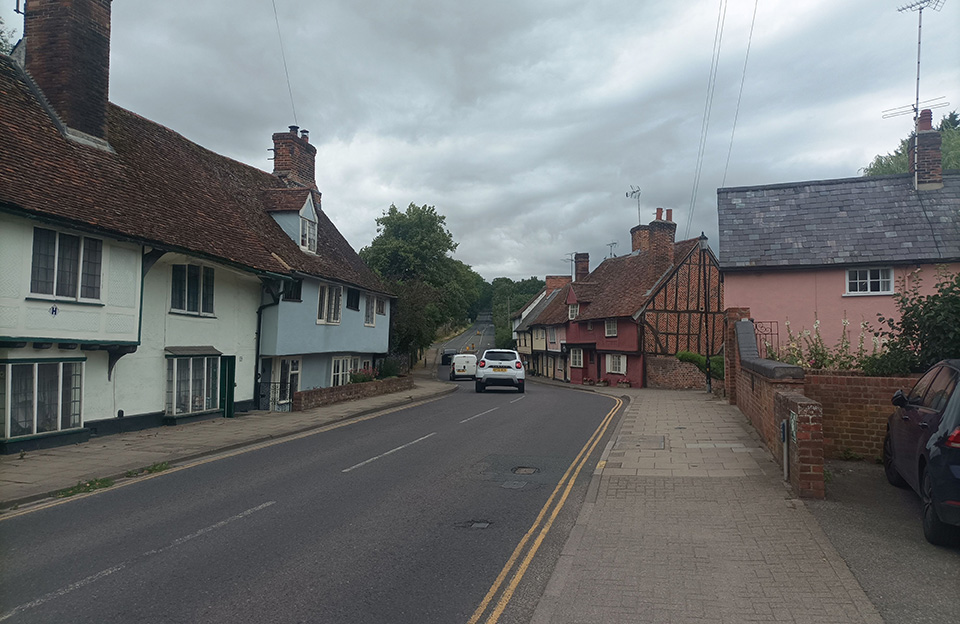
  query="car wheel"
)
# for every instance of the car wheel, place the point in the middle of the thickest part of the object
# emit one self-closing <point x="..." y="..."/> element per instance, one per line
<point x="520" y="387"/>
<point x="479" y="386"/>
<point x="888" y="468"/>
<point x="935" y="530"/>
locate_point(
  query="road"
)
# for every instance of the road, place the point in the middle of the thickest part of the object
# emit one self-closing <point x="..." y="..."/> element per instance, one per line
<point x="476" y="339"/>
<point x="407" y="517"/>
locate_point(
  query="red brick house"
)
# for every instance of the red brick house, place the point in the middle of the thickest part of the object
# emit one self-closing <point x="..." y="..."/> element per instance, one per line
<point x="628" y="318"/>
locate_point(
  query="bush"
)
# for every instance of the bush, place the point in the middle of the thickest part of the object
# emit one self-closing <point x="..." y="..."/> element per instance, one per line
<point x="390" y="367"/>
<point x="363" y="375"/>
<point x="716" y="363"/>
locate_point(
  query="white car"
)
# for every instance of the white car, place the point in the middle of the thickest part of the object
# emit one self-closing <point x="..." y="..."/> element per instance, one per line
<point x="463" y="365"/>
<point x="500" y="367"/>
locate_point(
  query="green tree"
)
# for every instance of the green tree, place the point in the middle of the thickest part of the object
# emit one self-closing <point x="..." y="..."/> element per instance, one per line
<point x="508" y="297"/>
<point x="6" y="38"/>
<point x="435" y="291"/>
<point x="897" y="161"/>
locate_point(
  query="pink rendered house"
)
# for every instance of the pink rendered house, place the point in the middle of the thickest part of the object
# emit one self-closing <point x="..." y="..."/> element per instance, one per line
<point x="837" y="250"/>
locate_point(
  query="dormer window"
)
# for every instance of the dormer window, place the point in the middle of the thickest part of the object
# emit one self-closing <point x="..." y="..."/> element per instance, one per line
<point x="308" y="228"/>
<point x="573" y="310"/>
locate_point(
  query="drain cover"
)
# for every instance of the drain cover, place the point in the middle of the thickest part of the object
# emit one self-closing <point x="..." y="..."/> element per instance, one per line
<point x="525" y="470"/>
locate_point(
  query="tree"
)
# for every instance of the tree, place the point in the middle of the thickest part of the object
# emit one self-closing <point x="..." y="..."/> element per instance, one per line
<point x="507" y="297"/>
<point x="6" y="38"/>
<point x="410" y="245"/>
<point x="898" y="160"/>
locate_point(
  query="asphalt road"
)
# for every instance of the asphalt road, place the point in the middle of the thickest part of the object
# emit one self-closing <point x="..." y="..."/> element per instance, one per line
<point x="406" y="517"/>
<point x="876" y="529"/>
<point x="479" y="337"/>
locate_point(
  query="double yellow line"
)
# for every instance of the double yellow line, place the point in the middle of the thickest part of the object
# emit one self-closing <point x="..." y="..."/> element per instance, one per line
<point x="565" y="485"/>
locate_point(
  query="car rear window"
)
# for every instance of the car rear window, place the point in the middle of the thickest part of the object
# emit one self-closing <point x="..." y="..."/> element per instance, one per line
<point x="500" y="356"/>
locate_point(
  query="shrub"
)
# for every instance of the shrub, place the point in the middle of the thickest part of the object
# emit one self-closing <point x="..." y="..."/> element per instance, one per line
<point x="363" y="375"/>
<point x="390" y="367"/>
<point x="716" y="363"/>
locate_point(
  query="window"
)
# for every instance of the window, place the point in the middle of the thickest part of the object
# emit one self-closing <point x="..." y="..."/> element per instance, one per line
<point x="44" y="396"/>
<point x="381" y="306"/>
<point x="617" y="363"/>
<point x="341" y="371"/>
<point x="192" y="289"/>
<point x="552" y="332"/>
<point x="610" y="328"/>
<point x="289" y="379"/>
<point x="66" y="266"/>
<point x="940" y="390"/>
<point x="292" y="291"/>
<point x="193" y="384"/>
<point x="576" y="357"/>
<point x="870" y="281"/>
<point x="308" y="233"/>
<point x="573" y="310"/>
<point x="328" y="305"/>
<point x="353" y="299"/>
<point x="589" y="325"/>
<point x="369" y="318"/>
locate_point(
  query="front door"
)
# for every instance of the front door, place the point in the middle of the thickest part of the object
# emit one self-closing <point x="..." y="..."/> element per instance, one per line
<point x="228" y="383"/>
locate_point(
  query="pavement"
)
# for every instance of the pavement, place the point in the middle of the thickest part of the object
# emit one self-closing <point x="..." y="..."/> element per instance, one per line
<point x="687" y="519"/>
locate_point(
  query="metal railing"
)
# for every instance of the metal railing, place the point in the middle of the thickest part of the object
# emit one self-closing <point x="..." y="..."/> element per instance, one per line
<point x="274" y="396"/>
<point x="768" y="337"/>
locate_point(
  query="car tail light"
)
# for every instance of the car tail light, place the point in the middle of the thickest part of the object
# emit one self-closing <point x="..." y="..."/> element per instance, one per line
<point x="481" y="363"/>
<point x="519" y="365"/>
<point x="953" y="440"/>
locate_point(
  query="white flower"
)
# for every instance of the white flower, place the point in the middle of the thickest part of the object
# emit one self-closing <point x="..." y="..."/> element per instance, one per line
<point x="846" y="322"/>
<point x="816" y="324"/>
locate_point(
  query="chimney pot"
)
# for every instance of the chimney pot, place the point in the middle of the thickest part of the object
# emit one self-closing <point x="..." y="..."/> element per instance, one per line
<point x="669" y="214"/>
<point x="293" y="129"/>
<point x="925" y="122"/>
<point x="305" y="135"/>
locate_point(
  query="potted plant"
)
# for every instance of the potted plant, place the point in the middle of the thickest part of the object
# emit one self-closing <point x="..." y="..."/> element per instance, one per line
<point x="587" y="381"/>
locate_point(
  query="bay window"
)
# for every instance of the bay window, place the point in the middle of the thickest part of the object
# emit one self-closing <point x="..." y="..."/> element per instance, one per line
<point x="193" y="384"/>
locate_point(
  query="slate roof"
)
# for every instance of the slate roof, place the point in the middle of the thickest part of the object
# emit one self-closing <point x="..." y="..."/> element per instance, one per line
<point x="621" y="287"/>
<point x="850" y="221"/>
<point x="158" y="189"/>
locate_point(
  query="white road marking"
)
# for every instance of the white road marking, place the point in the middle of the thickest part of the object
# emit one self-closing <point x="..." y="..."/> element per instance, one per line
<point x="520" y="399"/>
<point x="478" y="415"/>
<point x="382" y="455"/>
<point x="104" y="573"/>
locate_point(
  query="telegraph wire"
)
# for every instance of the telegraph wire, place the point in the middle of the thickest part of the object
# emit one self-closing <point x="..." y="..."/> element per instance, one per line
<point x="743" y="79"/>
<point x="283" y="57"/>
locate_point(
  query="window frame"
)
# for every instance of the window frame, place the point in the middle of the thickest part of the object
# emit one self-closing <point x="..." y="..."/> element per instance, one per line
<point x="308" y="229"/>
<point x="865" y="278"/>
<point x="343" y="374"/>
<point x="551" y="334"/>
<point x="206" y="285"/>
<point x="353" y="299"/>
<point x="576" y="357"/>
<point x="80" y="274"/>
<point x="607" y="324"/>
<point x="326" y="308"/>
<point x="573" y="310"/>
<point x="369" y="312"/>
<point x="621" y="368"/>
<point x="209" y="396"/>
<point x="381" y="306"/>
<point x="69" y="409"/>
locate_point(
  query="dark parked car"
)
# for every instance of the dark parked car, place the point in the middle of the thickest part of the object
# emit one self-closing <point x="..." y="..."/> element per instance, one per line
<point x="922" y="449"/>
<point x="447" y="356"/>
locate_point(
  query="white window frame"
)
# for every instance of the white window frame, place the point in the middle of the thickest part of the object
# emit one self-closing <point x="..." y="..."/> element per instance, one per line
<point x="340" y="371"/>
<point x="308" y="228"/>
<point x="87" y="254"/>
<point x="208" y="393"/>
<point x="572" y="311"/>
<point x="74" y="402"/>
<point x="206" y="278"/>
<point x="576" y="357"/>
<point x="329" y="304"/>
<point x="617" y="363"/>
<point x="289" y="379"/>
<point x="610" y="328"/>
<point x="381" y="306"/>
<point x="369" y="314"/>
<point x="869" y="281"/>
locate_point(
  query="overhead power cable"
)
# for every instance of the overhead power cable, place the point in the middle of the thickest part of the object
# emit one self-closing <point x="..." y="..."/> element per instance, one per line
<point x="743" y="79"/>
<point x="283" y="57"/>
<point x="707" y="107"/>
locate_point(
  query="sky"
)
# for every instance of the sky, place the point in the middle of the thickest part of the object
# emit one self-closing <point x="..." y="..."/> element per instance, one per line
<point x="526" y="123"/>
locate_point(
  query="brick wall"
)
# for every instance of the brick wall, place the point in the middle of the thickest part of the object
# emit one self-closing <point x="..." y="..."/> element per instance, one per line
<point x="855" y="409"/>
<point x="805" y="435"/>
<point x="319" y="397"/>
<point x="731" y="355"/>
<point x="669" y="372"/>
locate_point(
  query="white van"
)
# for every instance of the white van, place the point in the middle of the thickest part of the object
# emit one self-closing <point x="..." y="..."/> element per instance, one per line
<point x="463" y="365"/>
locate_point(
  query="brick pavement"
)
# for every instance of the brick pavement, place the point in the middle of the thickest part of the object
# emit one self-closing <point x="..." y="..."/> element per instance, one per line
<point x="688" y="521"/>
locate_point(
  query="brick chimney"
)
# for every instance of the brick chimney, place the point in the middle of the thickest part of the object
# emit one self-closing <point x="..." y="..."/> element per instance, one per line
<point x="68" y="55"/>
<point x="662" y="234"/>
<point x="640" y="235"/>
<point x="294" y="158"/>
<point x="555" y="282"/>
<point x="581" y="264"/>
<point x="928" y="169"/>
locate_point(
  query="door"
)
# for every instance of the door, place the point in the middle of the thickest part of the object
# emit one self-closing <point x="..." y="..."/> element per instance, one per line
<point x="908" y="427"/>
<point x="228" y="383"/>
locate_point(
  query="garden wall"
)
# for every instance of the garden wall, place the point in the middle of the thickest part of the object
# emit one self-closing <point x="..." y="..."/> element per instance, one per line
<point x="318" y="397"/>
<point x="669" y="372"/>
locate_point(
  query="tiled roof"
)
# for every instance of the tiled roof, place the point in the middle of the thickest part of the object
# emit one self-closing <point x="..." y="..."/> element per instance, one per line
<point x="527" y="304"/>
<point x="533" y="318"/>
<point x="864" y="220"/>
<point x="620" y="287"/>
<point x="555" y="313"/>
<point x="284" y="199"/>
<point x="158" y="188"/>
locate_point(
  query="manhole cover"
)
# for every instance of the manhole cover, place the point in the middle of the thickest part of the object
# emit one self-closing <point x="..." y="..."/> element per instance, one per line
<point x="641" y="442"/>
<point x="525" y="470"/>
<point x="513" y="485"/>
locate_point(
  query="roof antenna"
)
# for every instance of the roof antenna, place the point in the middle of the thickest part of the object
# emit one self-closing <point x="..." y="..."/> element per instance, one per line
<point x="569" y="259"/>
<point x="635" y="192"/>
<point x="918" y="6"/>
<point x="611" y="245"/>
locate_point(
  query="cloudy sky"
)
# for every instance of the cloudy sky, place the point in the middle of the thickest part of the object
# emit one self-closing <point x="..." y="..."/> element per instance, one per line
<point x="525" y="122"/>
